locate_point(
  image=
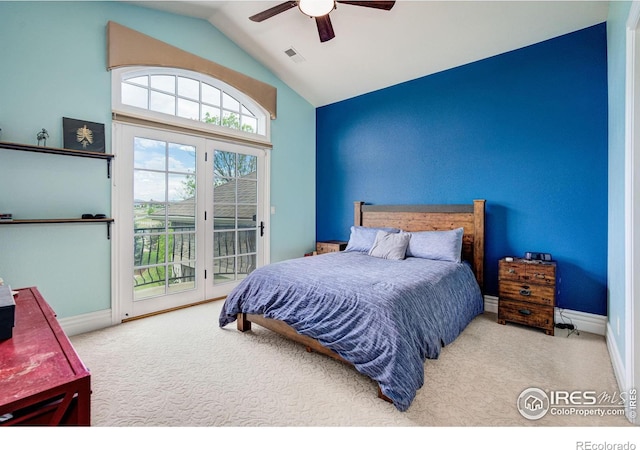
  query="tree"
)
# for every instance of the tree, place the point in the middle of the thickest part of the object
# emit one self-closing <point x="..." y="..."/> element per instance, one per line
<point x="226" y="165"/>
<point x="230" y="121"/>
<point x="189" y="187"/>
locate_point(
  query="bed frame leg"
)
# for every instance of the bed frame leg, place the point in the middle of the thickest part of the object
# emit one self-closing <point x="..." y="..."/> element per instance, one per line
<point x="383" y="397"/>
<point x="243" y="323"/>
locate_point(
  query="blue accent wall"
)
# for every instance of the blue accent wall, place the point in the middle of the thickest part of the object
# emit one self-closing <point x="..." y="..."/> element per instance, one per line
<point x="525" y="130"/>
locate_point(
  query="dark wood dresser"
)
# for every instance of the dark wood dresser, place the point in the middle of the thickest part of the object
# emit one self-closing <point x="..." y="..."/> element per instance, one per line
<point x="42" y="379"/>
<point x="527" y="293"/>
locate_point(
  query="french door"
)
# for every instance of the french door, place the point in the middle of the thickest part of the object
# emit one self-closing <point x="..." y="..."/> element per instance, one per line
<point x="190" y="219"/>
<point x="236" y="228"/>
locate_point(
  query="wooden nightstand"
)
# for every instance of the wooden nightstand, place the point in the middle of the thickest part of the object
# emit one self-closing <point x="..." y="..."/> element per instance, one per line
<point x="330" y="246"/>
<point x="527" y="293"/>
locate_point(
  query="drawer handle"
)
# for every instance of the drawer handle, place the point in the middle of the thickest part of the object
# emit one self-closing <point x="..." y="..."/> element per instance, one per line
<point x="524" y="312"/>
<point x="540" y="276"/>
<point x="525" y="292"/>
<point x="512" y="270"/>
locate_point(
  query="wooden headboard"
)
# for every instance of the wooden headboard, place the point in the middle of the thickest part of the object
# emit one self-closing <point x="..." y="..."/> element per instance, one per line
<point x="433" y="218"/>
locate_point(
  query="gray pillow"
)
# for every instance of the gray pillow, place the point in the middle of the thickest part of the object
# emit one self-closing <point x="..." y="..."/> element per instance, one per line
<point x="439" y="245"/>
<point x="362" y="238"/>
<point x="390" y="245"/>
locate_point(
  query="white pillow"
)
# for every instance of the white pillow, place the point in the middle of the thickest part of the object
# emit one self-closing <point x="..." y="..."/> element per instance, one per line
<point x="362" y="238"/>
<point x="390" y="245"/>
<point x="439" y="245"/>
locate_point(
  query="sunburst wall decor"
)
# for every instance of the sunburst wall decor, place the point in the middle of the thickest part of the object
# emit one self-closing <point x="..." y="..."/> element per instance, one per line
<point x="83" y="135"/>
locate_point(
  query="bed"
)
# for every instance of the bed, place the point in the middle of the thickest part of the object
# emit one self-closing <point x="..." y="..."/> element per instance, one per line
<point x="377" y="307"/>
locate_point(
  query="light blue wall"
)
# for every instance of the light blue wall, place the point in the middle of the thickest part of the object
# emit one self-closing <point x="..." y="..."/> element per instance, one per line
<point x="525" y="130"/>
<point x="616" y="55"/>
<point x="53" y="65"/>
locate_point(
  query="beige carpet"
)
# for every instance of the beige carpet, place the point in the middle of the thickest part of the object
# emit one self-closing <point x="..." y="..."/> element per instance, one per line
<point x="180" y="369"/>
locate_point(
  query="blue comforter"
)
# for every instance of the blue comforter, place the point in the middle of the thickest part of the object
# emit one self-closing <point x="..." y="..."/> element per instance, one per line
<point x="384" y="316"/>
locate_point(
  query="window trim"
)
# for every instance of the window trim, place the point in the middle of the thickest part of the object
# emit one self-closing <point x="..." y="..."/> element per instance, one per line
<point x="127" y="47"/>
<point x="122" y="112"/>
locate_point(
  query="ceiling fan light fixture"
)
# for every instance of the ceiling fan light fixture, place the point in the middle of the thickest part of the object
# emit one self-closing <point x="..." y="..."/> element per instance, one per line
<point x="316" y="8"/>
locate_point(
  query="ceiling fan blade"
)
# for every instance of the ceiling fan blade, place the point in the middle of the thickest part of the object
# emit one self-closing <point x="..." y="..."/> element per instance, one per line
<point x="268" y="13"/>
<point x="325" y="29"/>
<point x="378" y="5"/>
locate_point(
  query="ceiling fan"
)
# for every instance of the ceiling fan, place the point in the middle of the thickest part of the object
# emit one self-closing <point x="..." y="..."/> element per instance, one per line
<point x="319" y="10"/>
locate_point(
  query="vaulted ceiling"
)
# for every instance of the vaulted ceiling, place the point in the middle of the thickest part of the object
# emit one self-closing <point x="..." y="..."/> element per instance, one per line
<point x="374" y="48"/>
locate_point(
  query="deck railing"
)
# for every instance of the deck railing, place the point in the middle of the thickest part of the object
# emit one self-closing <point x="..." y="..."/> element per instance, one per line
<point x="153" y="255"/>
<point x="151" y="252"/>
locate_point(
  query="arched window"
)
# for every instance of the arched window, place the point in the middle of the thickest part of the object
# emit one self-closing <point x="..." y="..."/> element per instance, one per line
<point x="188" y="99"/>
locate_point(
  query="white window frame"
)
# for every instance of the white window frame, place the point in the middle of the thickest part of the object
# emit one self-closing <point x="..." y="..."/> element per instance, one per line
<point x="122" y="115"/>
<point x="263" y="135"/>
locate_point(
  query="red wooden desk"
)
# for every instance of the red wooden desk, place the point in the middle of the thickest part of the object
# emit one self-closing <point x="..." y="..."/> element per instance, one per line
<point x="42" y="379"/>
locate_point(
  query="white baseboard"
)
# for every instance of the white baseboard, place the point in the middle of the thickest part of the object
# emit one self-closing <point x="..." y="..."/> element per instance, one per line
<point x="590" y="323"/>
<point x="86" y="322"/>
<point x="617" y="361"/>
<point x="491" y="304"/>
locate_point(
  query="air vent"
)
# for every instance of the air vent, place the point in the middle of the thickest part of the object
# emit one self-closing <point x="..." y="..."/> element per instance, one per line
<point x="294" y="55"/>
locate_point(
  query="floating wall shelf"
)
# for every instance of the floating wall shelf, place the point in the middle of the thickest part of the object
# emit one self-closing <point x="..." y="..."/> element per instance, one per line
<point x="59" y="151"/>
<point x="107" y="220"/>
<point x="66" y="152"/>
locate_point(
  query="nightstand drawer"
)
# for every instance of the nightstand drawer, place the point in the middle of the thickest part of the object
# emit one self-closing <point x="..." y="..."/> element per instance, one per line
<point x="533" y="272"/>
<point x="511" y="271"/>
<point x="527" y="292"/>
<point x="541" y="273"/>
<point x="526" y="314"/>
<point x="330" y="246"/>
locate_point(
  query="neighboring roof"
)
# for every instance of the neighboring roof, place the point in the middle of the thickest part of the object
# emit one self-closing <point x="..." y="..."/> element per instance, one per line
<point x="224" y="197"/>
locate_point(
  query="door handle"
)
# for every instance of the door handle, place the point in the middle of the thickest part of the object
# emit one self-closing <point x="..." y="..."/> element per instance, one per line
<point x="261" y="228"/>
